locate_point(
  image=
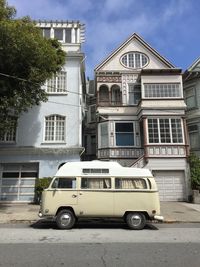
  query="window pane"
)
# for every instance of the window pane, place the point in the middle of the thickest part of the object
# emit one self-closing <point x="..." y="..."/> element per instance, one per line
<point x="164" y="131"/>
<point x="162" y="90"/>
<point x="177" y="135"/>
<point x="104" y="134"/>
<point x="9" y="135"/>
<point x="58" y="34"/>
<point x="194" y="140"/>
<point x="124" y="139"/>
<point x="55" y="128"/>
<point x="124" y="127"/>
<point x="66" y="183"/>
<point x="68" y="36"/>
<point x="95" y="183"/>
<point x="130" y="183"/>
<point x="124" y="134"/>
<point x="47" y="32"/>
<point x="134" y="94"/>
<point x="153" y="131"/>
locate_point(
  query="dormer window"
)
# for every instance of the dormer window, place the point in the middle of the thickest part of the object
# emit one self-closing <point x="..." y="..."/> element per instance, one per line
<point x="134" y="60"/>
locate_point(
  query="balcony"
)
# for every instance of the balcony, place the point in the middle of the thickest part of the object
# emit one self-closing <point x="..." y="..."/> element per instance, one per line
<point x="115" y="152"/>
<point x="165" y="151"/>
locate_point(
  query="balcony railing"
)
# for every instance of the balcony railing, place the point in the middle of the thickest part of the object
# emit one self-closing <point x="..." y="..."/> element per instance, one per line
<point x="128" y="153"/>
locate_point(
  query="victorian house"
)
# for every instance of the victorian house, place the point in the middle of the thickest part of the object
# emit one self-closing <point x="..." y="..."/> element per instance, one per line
<point x="140" y="114"/>
<point x="191" y="88"/>
<point x="50" y="134"/>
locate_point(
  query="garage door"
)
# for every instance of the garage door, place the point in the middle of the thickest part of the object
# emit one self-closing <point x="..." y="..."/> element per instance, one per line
<point x="17" y="181"/>
<point x="171" y="185"/>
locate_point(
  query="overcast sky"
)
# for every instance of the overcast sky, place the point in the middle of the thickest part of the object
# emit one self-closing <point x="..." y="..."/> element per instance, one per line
<point x="172" y="27"/>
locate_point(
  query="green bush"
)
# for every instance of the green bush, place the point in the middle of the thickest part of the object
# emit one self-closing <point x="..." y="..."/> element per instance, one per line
<point x="194" y="171"/>
<point x="40" y="185"/>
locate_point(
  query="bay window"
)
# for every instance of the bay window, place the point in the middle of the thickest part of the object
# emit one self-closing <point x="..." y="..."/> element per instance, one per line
<point x="165" y="130"/>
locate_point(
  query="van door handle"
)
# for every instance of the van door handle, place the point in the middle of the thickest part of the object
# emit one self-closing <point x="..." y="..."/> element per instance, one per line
<point x="74" y="196"/>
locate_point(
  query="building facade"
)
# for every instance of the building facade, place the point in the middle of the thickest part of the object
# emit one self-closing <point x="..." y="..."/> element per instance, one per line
<point x="141" y="115"/>
<point x="191" y="87"/>
<point x="50" y="134"/>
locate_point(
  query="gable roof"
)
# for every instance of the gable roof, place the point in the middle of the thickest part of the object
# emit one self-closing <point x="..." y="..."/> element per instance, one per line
<point x="195" y="65"/>
<point x="145" y="44"/>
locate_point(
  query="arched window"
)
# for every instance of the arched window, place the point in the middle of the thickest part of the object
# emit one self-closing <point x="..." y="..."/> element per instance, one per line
<point x="54" y="128"/>
<point x="103" y="95"/>
<point x="115" y="95"/>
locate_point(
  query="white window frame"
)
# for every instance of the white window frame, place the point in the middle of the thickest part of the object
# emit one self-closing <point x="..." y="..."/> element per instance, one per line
<point x="157" y="90"/>
<point x="10" y="135"/>
<point x="53" y="84"/>
<point x="134" y="88"/>
<point x="170" y="131"/>
<point x="134" y="134"/>
<point x="100" y="137"/>
<point x="55" y="128"/>
<point x="63" y="34"/>
<point x="128" y="60"/>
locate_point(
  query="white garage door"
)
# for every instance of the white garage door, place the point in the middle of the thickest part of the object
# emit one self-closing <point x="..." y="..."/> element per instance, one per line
<point x="171" y="185"/>
<point x="17" y="181"/>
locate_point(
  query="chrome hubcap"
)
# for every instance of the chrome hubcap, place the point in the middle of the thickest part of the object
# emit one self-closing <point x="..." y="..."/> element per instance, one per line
<point x="136" y="220"/>
<point x="65" y="219"/>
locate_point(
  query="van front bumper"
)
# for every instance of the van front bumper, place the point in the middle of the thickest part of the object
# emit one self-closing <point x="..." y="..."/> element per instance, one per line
<point x="158" y="218"/>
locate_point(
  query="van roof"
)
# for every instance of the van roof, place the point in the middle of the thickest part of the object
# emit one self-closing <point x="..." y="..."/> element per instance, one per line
<point x="100" y="168"/>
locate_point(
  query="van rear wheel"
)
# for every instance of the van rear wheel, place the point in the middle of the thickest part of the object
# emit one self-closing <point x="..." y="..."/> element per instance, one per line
<point x="65" y="219"/>
<point x="136" y="220"/>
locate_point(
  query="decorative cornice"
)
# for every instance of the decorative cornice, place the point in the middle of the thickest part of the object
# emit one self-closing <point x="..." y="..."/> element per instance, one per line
<point x="40" y="151"/>
<point x="109" y="79"/>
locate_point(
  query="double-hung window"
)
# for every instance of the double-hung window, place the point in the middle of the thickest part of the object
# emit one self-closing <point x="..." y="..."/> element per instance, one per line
<point x="124" y="134"/>
<point x="103" y="134"/>
<point x="190" y="98"/>
<point x="194" y="136"/>
<point x="9" y="135"/>
<point x="165" y="130"/>
<point x="54" y="128"/>
<point x="134" y="94"/>
<point x="57" y="84"/>
<point x="63" y="35"/>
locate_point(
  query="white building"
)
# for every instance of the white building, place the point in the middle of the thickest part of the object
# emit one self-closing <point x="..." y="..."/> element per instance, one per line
<point x="51" y="133"/>
<point x="141" y="115"/>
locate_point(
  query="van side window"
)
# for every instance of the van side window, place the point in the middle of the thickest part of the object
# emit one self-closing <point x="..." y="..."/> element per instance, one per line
<point x="130" y="183"/>
<point x="64" y="182"/>
<point x="95" y="183"/>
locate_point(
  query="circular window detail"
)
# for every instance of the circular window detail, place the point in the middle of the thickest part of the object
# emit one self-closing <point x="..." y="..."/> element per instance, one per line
<point x="134" y="60"/>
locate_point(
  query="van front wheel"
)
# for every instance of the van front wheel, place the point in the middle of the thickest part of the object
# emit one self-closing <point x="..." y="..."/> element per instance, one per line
<point x="65" y="219"/>
<point x="136" y="220"/>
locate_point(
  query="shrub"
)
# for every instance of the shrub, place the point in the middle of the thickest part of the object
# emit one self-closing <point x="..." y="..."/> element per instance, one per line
<point x="40" y="185"/>
<point x="194" y="171"/>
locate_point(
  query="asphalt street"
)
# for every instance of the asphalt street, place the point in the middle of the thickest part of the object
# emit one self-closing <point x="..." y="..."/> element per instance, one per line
<point x="99" y="244"/>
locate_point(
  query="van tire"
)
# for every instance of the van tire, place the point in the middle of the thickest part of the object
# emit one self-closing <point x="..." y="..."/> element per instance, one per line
<point x="136" y="220"/>
<point x="65" y="219"/>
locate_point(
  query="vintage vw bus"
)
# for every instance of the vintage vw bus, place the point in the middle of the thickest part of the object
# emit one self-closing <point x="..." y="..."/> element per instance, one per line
<point x="99" y="189"/>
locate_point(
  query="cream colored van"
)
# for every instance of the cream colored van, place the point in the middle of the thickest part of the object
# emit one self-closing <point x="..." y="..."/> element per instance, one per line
<point x="99" y="189"/>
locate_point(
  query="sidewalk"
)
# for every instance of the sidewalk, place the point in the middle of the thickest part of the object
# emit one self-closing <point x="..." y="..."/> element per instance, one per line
<point x="172" y="212"/>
